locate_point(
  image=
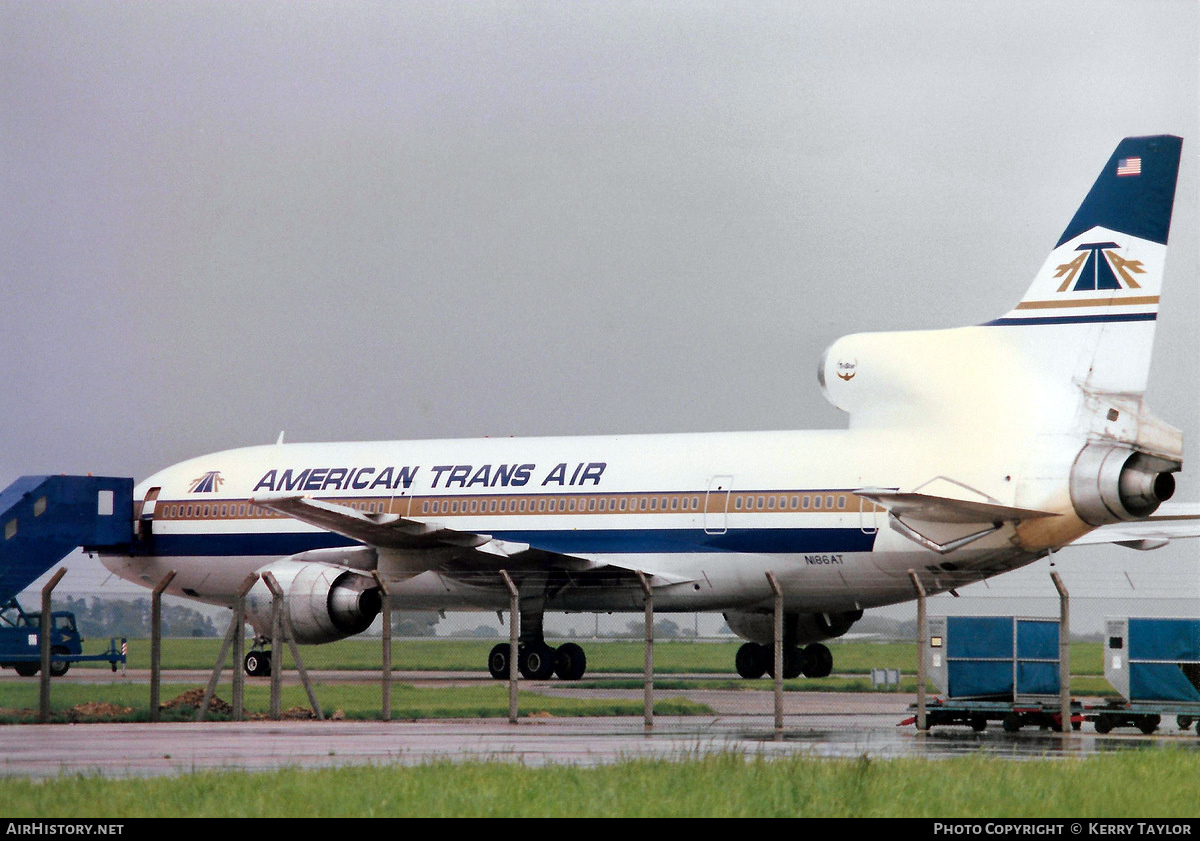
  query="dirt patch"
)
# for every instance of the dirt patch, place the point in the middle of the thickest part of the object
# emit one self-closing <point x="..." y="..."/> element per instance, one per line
<point x="94" y="710"/>
<point x="298" y="714"/>
<point x="193" y="698"/>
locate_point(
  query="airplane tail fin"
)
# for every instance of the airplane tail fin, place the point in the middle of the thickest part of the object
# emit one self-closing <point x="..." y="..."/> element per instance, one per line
<point x="1103" y="279"/>
<point x="1084" y="327"/>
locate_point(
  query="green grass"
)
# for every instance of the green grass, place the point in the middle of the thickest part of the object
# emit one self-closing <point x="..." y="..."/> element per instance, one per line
<point x="610" y="666"/>
<point x="19" y="702"/>
<point x="1134" y="784"/>
<point x="604" y="656"/>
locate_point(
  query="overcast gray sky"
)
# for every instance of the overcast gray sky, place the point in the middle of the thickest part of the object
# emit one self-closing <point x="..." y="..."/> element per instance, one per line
<point x="361" y="220"/>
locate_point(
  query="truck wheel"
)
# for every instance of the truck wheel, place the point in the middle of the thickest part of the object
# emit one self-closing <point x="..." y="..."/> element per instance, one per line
<point x="1104" y="724"/>
<point x="27" y="669"/>
<point x="1012" y="722"/>
<point x="58" y="668"/>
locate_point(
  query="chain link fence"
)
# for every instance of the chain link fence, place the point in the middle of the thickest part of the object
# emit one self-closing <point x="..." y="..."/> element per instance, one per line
<point x="427" y="664"/>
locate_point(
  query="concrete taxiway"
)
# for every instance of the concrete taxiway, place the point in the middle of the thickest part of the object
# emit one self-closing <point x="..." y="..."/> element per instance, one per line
<point x="815" y="724"/>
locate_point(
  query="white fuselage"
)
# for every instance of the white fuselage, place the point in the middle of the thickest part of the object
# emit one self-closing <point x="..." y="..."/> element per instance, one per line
<point x="708" y="514"/>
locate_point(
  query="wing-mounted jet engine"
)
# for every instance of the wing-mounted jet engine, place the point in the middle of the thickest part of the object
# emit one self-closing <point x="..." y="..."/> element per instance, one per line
<point x="323" y="603"/>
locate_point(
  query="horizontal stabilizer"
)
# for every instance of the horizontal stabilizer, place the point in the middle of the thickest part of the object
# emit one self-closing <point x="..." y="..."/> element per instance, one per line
<point x="1172" y="521"/>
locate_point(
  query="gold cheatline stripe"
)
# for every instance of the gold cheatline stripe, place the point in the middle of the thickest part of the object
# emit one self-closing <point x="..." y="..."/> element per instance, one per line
<point x="1135" y="301"/>
<point x="696" y="502"/>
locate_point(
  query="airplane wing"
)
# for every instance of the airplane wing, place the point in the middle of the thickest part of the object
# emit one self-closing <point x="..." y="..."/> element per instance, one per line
<point x="1172" y="521"/>
<point x="429" y="546"/>
<point x="933" y="520"/>
<point x="943" y="509"/>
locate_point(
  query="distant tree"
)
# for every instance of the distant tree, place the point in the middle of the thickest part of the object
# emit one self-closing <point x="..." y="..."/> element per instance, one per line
<point x="131" y="618"/>
<point x="478" y="632"/>
<point x="663" y="629"/>
<point x="414" y="623"/>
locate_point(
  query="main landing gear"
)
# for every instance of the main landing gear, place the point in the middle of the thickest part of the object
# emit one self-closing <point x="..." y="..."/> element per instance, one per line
<point x="539" y="661"/>
<point x="754" y="660"/>
<point x="536" y="660"/>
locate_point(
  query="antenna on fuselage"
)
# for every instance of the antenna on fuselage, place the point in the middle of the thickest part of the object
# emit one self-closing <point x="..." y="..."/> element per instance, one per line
<point x="280" y="439"/>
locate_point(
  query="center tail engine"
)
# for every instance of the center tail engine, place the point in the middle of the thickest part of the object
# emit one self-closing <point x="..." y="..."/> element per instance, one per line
<point x="1112" y="483"/>
<point x="323" y="602"/>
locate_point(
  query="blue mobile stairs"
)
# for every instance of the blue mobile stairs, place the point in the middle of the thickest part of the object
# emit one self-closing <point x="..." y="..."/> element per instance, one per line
<point x="44" y="519"/>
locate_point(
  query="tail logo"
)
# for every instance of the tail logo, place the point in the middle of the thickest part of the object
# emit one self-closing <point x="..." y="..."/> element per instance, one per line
<point x="209" y="483"/>
<point x="847" y="370"/>
<point x="1098" y="268"/>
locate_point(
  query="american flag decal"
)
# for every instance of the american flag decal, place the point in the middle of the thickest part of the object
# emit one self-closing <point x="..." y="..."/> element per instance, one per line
<point x="1129" y="166"/>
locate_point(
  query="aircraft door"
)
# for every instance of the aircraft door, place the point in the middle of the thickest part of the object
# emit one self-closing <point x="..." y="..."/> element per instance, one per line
<point x="716" y="505"/>
<point x="144" y="528"/>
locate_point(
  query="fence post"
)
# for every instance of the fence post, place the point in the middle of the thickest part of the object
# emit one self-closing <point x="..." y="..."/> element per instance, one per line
<point x="777" y="652"/>
<point x="156" y="642"/>
<point x="276" y="648"/>
<point x="922" y="642"/>
<point x="514" y="617"/>
<point x="239" y="624"/>
<point x="1064" y="652"/>
<point x="233" y="637"/>
<point x="45" y="627"/>
<point x="284" y="622"/>
<point x="387" y="644"/>
<point x="648" y="663"/>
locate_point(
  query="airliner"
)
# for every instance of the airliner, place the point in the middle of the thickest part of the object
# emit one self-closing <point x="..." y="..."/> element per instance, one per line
<point x="969" y="452"/>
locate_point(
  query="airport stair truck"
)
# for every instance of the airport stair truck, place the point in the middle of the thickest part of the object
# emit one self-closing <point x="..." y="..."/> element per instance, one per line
<point x="995" y="668"/>
<point x="44" y="519"/>
<point x="1155" y="666"/>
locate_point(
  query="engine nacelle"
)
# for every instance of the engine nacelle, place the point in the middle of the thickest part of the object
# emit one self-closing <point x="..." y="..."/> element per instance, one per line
<point x="1111" y="483"/>
<point x="324" y="603"/>
<point x="798" y="628"/>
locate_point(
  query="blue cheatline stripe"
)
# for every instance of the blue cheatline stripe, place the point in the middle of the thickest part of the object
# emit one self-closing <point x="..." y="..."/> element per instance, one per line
<point x="1075" y="319"/>
<point x="567" y="541"/>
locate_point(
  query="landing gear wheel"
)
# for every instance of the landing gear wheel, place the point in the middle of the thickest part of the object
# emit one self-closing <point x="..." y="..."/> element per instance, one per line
<point x="793" y="661"/>
<point x="498" y="661"/>
<point x="58" y="668"/>
<point x="818" y="660"/>
<point x="569" y="661"/>
<point x="536" y="662"/>
<point x="751" y="660"/>
<point x="258" y="663"/>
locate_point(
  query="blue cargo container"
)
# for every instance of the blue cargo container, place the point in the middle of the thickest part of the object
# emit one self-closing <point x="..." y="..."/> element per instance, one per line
<point x="1155" y="665"/>
<point x="995" y="668"/>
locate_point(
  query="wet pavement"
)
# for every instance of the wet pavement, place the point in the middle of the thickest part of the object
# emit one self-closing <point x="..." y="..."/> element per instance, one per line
<point x="818" y="724"/>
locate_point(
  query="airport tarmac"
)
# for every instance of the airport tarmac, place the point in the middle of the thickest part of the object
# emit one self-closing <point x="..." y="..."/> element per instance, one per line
<point x="815" y="724"/>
